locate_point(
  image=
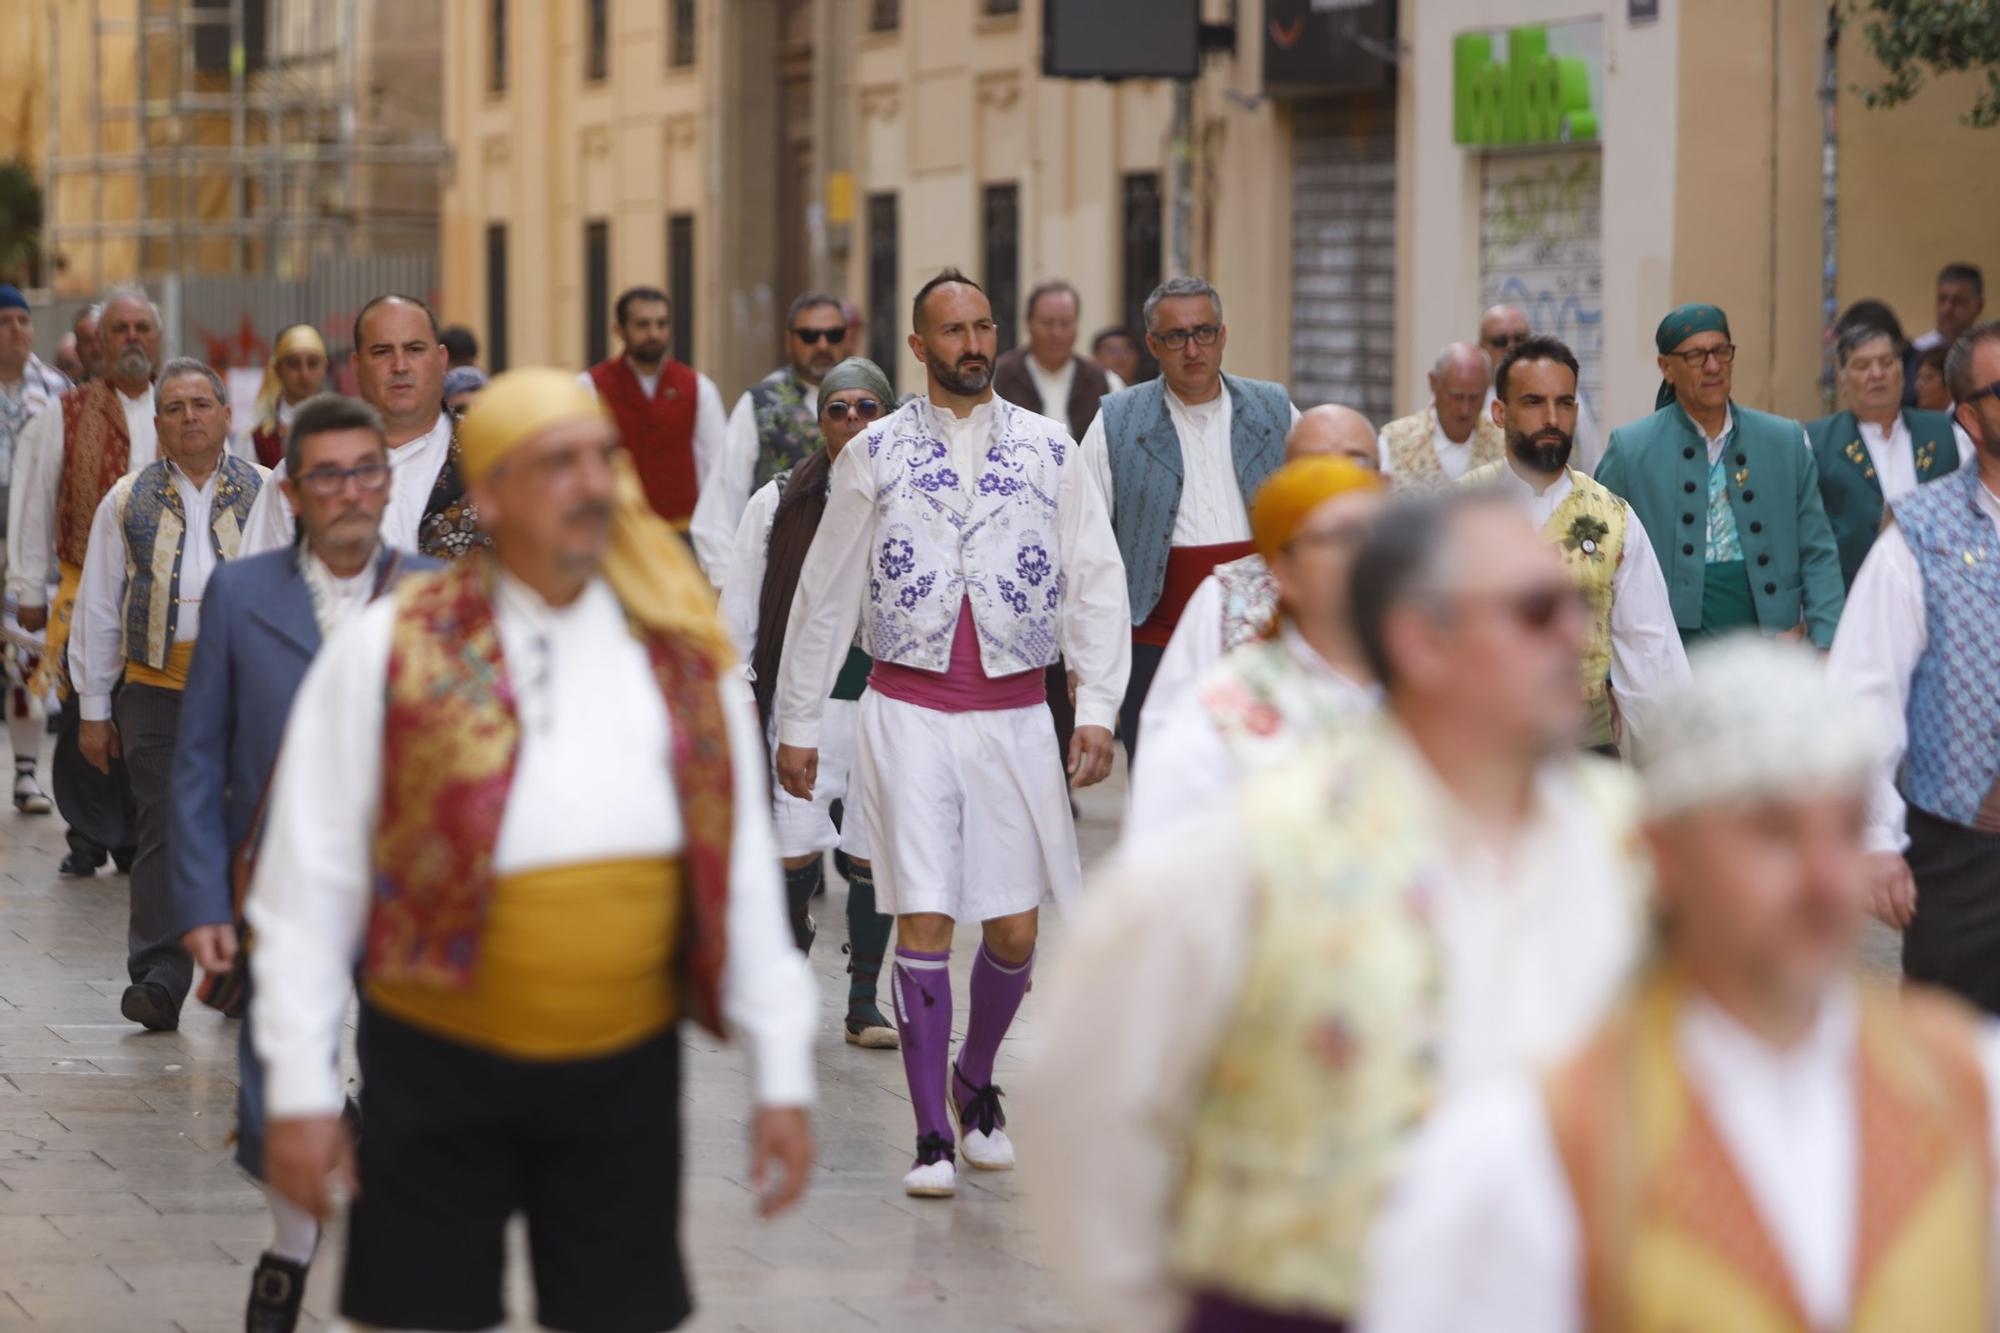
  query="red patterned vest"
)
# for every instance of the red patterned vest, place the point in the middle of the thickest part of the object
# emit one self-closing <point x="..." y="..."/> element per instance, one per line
<point x="96" y="452"/>
<point x="659" y="431"/>
<point x="451" y="735"/>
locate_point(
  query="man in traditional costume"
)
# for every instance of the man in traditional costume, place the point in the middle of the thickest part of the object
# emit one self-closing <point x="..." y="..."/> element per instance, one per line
<point x="1961" y="297"/>
<point x="157" y="536"/>
<point x="526" y="791"/>
<point x="1238" y="601"/>
<point x="1916" y="646"/>
<point x="1176" y="461"/>
<point x="1044" y="374"/>
<point x="1876" y="449"/>
<point x="963" y="539"/>
<point x="668" y="413"/>
<point x="1259" y="1006"/>
<point x="295" y="372"/>
<point x="1753" y="1138"/>
<point x="1729" y="495"/>
<point x="1632" y="651"/>
<point x="64" y="464"/>
<point x="1277" y="692"/>
<point x="27" y="386"/>
<point x="773" y="426"/>
<point x="399" y="364"/>
<point x="778" y="527"/>
<point x="1501" y="327"/>
<point x="1455" y="433"/>
<point x="262" y="621"/>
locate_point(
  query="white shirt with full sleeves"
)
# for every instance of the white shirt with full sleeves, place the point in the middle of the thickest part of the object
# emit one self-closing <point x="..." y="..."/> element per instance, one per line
<point x="593" y="782"/>
<point x="1213" y="507"/>
<point x="1485" y="1198"/>
<point x="413" y="474"/>
<point x="31" y="500"/>
<point x="1883" y="633"/>
<point x="743" y="596"/>
<point x="725" y="487"/>
<point x="709" y="422"/>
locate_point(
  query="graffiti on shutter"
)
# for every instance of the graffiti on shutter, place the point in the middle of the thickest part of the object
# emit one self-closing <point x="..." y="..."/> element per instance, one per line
<point x="1538" y="248"/>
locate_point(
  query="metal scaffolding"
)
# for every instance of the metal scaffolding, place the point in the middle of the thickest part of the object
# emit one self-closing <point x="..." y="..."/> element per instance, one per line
<point x="260" y="96"/>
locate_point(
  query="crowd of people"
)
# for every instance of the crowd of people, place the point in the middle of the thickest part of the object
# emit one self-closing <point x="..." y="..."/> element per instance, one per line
<point x="1480" y="946"/>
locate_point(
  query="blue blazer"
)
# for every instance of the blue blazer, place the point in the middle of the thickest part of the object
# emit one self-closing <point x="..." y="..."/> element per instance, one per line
<point x="258" y="636"/>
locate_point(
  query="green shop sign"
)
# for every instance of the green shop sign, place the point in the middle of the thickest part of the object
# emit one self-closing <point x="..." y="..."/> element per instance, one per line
<point x="1527" y="96"/>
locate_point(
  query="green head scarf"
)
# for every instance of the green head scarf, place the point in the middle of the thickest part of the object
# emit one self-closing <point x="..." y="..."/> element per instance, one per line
<point x="1681" y="324"/>
<point x="858" y="372"/>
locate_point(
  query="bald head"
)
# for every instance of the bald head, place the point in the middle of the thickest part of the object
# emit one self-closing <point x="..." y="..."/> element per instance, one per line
<point x="1458" y="389"/>
<point x="1500" y="328"/>
<point x="1335" y="431"/>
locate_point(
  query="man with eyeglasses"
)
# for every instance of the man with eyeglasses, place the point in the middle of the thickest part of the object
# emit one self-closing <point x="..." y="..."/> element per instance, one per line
<point x="263" y="619"/>
<point x="1503" y="327"/>
<point x="1729" y="495"/>
<point x="1632" y="654"/>
<point x="773" y="426"/>
<point x="399" y="361"/>
<point x="1455" y="433"/>
<point x="668" y="413"/>
<point x="1917" y="646"/>
<point x="155" y="540"/>
<point x="1259" y="1006"/>
<point x="1177" y="460"/>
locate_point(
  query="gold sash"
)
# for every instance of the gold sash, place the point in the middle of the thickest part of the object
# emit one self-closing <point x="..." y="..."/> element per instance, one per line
<point x="173" y="676"/>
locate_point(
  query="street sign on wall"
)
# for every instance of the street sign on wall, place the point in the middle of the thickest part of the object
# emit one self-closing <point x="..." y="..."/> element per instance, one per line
<point x="1531" y="84"/>
<point x="1321" y="46"/>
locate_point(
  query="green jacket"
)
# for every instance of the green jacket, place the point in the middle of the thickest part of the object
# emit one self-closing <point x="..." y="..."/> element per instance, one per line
<point x="1659" y="464"/>
<point x="1848" y="486"/>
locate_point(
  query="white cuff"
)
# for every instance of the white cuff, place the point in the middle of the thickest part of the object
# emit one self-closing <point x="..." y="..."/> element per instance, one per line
<point x="784" y="1073"/>
<point x="1087" y="716"/>
<point x="799" y="734"/>
<point x="296" y="1087"/>
<point x="94" y="707"/>
<point x="28" y="594"/>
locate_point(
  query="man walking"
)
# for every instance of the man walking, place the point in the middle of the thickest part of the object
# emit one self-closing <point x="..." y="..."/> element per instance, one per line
<point x="1045" y="374"/>
<point x="1452" y="436"/>
<point x="1729" y="495"/>
<point x="965" y="540"/>
<point x="295" y="372"/>
<point x="262" y="621"/>
<point x="1961" y="298"/>
<point x="773" y="426"/>
<point x="668" y="413"/>
<point x="157" y="537"/>
<point x="27" y="387"/>
<point x="525" y="791"/>
<point x="1503" y="327"/>
<point x="1176" y="461"/>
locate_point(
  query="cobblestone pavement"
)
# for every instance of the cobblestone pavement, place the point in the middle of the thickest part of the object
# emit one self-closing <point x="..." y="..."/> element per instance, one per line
<point x="121" y="1212"/>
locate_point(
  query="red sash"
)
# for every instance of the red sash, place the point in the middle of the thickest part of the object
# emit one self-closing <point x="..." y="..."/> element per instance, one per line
<point x="659" y="431"/>
<point x="1187" y="566"/>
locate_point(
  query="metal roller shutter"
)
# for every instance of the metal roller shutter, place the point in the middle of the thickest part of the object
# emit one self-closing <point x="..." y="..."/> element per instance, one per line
<point x="1344" y="260"/>
<point x="1539" y="224"/>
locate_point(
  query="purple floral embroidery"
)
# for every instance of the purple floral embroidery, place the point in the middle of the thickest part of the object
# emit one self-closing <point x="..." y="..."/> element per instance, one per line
<point x="932" y="482"/>
<point x="1033" y="563"/>
<point x="898" y="558"/>
<point x="992" y="485"/>
<point x="1013" y="595"/>
<point x="875" y="590"/>
<point x="913" y="593"/>
<point x="1053" y="596"/>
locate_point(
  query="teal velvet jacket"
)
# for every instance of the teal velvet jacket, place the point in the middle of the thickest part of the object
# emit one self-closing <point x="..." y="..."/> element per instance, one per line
<point x="1659" y="464"/>
<point x="1848" y="486"/>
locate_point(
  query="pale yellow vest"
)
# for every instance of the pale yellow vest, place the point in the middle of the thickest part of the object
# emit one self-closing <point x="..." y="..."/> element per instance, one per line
<point x="1413" y="462"/>
<point x="1588" y="531"/>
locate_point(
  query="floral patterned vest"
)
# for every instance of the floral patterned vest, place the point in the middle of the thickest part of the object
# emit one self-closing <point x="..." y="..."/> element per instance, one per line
<point x="1413" y="460"/>
<point x="155" y="523"/>
<point x="1265" y="704"/>
<point x="1671" y="1235"/>
<point x="1249" y="600"/>
<point x="787" y="428"/>
<point x="96" y="451"/>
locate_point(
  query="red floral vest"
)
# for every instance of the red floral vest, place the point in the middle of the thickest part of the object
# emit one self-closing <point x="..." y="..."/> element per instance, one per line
<point x="96" y="452"/>
<point x="659" y="431"/>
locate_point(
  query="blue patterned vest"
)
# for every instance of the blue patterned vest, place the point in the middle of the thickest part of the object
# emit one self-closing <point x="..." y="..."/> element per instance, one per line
<point x="1954" y="711"/>
<point x="1146" y="470"/>
<point x="155" y="524"/>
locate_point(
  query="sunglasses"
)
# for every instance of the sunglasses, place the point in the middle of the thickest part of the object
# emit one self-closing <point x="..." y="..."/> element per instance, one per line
<point x="1536" y="610"/>
<point x="829" y="336"/>
<point x="1505" y="340"/>
<point x="1990" y="391"/>
<point x="863" y="409"/>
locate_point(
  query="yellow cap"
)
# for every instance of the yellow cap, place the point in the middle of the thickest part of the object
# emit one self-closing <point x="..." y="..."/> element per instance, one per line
<point x="515" y="407"/>
<point x="1298" y="488"/>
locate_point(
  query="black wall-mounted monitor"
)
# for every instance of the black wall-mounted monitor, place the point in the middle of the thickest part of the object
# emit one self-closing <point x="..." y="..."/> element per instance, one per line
<point x="1121" y="39"/>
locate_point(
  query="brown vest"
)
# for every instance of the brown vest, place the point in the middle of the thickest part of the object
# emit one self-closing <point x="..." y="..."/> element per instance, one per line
<point x="1013" y="381"/>
<point x="96" y="452"/>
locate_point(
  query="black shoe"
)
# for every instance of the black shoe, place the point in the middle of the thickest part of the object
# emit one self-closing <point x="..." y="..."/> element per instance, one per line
<point x="78" y="866"/>
<point x="150" y="1005"/>
<point x="276" y="1289"/>
<point x="123" y="860"/>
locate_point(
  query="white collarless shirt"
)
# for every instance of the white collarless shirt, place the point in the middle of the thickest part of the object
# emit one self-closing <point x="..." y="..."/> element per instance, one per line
<point x="37" y="479"/>
<point x="1453" y="457"/>
<point x="413" y="474"/>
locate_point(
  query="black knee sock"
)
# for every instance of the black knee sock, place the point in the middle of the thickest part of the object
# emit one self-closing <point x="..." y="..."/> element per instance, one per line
<point x="800" y="886"/>
<point x="868" y="939"/>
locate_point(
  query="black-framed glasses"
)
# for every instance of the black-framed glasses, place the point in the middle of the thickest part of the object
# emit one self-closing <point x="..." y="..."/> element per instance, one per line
<point x="1204" y="335"/>
<point x="811" y="336"/>
<point x="1990" y="391"/>
<point x="369" y="477"/>
<point x="863" y="409"/>
<point x="1536" y="610"/>
<point x="1694" y="356"/>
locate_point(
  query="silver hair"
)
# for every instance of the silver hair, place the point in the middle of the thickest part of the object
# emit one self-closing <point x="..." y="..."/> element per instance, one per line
<point x="128" y="292"/>
<point x="1173" y="287"/>
<point x="1857" y="336"/>
<point x="1452" y="351"/>
<point x="92" y="312"/>
<point x="1958" y="361"/>
<point x="187" y="365"/>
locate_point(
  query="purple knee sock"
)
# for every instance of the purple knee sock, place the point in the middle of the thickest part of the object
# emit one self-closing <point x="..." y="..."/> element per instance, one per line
<point x="997" y="988"/>
<point x="923" y="1017"/>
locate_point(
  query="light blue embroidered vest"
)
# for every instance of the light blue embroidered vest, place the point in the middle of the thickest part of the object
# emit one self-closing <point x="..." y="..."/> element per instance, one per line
<point x="1954" y="712"/>
<point x="1146" y="470"/>
<point x="155" y="524"/>
<point x="941" y="540"/>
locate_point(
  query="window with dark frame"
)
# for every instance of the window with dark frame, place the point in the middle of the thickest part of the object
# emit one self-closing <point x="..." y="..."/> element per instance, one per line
<point x="596" y="291"/>
<point x="1144" y="230"/>
<point x="680" y="33"/>
<point x="998" y="7"/>
<point x="496" y="54"/>
<point x="885" y="312"/>
<point x="496" y="297"/>
<point x="680" y="282"/>
<point x="597" y="40"/>
<point x="1000" y="257"/>
<point x="885" y="15"/>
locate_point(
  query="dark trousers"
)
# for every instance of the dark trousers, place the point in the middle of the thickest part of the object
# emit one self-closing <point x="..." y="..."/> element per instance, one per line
<point x="96" y="806"/>
<point x="149" y="719"/>
<point x="1954" y="939"/>
<point x="1220" y="1314"/>
<point x="1145" y="665"/>
<point x="1061" y="711"/>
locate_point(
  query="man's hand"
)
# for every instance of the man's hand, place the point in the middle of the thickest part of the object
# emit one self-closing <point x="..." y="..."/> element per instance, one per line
<point x="798" y="770"/>
<point x="300" y="1152"/>
<point x="780" y="1141"/>
<point x="214" y="947"/>
<point x="33" y="618"/>
<point x="1072" y="691"/>
<point x="99" y="743"/>
<point x="1089" y="756"/>
<point x="1892" y="889"/>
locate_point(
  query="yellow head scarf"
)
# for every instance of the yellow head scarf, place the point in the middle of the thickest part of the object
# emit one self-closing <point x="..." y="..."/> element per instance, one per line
<point x="298" y="338"/>
<point x="1295" y="490"/>
<point x="647" y="565"/>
